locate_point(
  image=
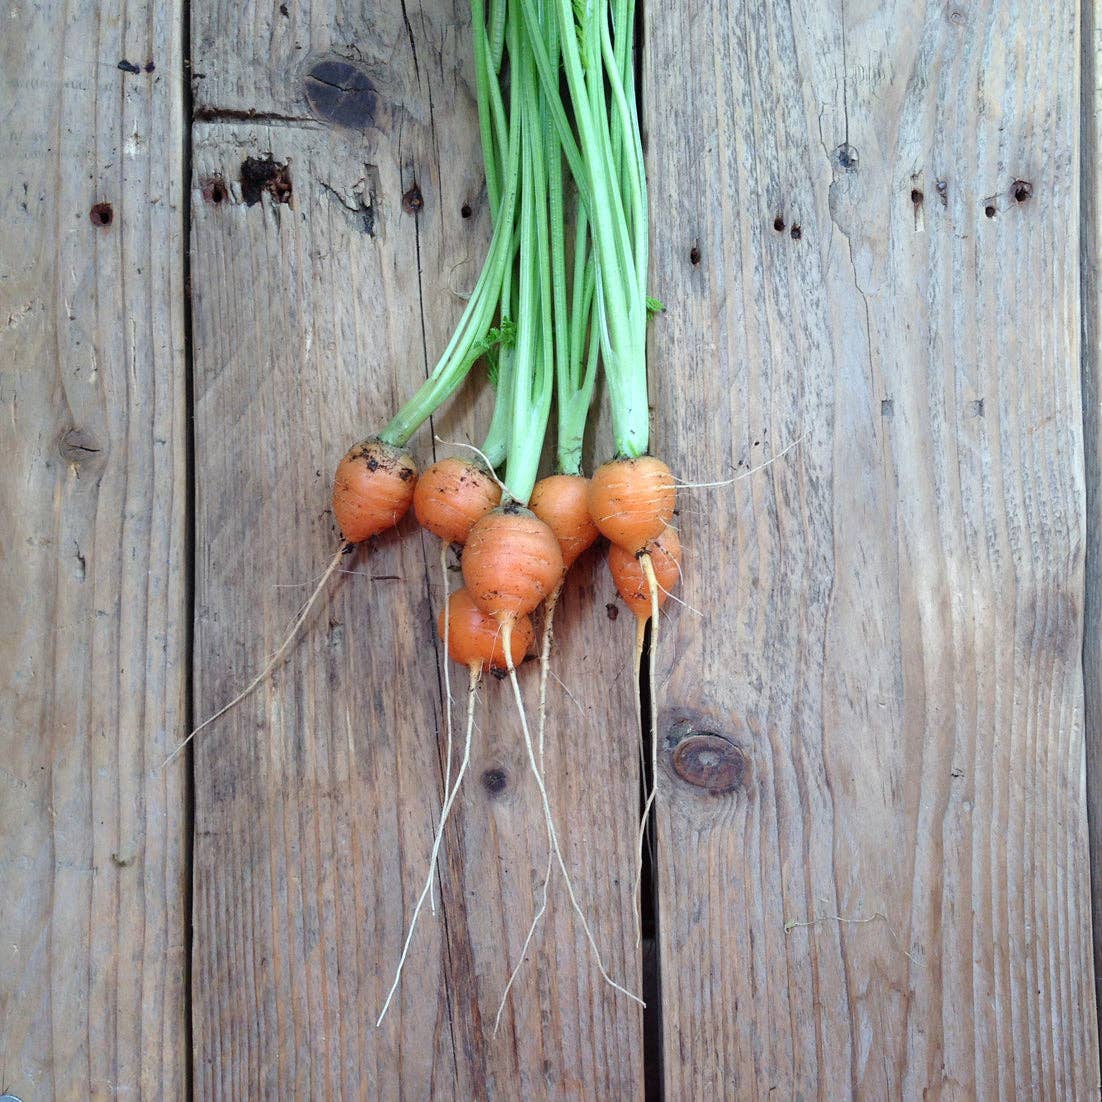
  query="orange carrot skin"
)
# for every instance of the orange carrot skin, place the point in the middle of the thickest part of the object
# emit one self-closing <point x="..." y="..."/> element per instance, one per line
<point x="476" y="638"/>
<point x="632" y="500"/>
<point x="451" y="496"/>
<point x="511" y="562"/>
<point x="372" y="489"/>
<point x="561" y="501"/>
<point x="631" y="582"/>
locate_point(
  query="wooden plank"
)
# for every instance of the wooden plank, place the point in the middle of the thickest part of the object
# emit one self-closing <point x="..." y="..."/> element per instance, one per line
<point x="893" y="900"/>
<point x="93" y="562"/>
<point x="1090" y="257"/>
<point x="316" y="799"/>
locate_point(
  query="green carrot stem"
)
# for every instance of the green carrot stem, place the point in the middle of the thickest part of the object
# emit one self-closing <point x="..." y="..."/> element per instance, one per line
<point x="534" y="362"/>
<point x="496" y="445"/>
<point x="485" y="78"/>
<point x="616" y="202"/>
<point x="468" y="342"/>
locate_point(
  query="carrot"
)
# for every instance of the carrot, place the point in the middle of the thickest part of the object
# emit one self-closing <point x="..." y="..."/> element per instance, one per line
<point x="475" y="638"/>
<point x="372" y="489"/>
<point x="561" y="501"/>
<point x="452" y="495"/>
<point x="511" y="562"/>
<point x="632" y="500"/>
<point x="631" y="579"/>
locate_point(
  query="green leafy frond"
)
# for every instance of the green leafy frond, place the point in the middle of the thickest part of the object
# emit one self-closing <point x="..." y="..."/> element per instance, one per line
<point x="499" y="337"/>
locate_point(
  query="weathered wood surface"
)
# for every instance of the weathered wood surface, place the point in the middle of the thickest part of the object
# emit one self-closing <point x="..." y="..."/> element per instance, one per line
<point x="894" y="899"/>
<point x="316" y="799"/>
<point x="93" y="563"/>
<point x="890" y="896"/>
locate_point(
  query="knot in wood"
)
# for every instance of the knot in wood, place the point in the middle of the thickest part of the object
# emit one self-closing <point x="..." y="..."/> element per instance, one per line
<point x="81" y="447"/>
<point x="711" y="762"/>
<point x="341" y="93"/>
<point x="495" y="780"/>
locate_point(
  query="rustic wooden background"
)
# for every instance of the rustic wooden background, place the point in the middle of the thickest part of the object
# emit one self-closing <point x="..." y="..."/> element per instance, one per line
<point x="875" y="226"/>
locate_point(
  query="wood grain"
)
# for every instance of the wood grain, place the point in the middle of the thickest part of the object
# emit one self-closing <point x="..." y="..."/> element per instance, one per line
<point x="893" y="901"/>
<point x="316" y="798"/>
<point x="93" y="569"/>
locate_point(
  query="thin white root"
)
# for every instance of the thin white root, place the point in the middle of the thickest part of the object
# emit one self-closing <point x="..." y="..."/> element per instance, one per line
<point x="472" y="688"/>
<point x="545" y="660"/>
<point x="652" y="586"/>
<point x="481" y="455"/>
<point x="507" y="631"/>
<point x="745" y="474"/>
<point x="545" y="665"/>
<point x="447" y="693"/>
<point x="272" y="662"/>
<point x="637" y="661"/>
<point x="536" y="919"/>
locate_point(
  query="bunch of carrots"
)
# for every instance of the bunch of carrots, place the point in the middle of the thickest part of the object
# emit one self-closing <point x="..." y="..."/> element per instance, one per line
<point x="561" y="294"/>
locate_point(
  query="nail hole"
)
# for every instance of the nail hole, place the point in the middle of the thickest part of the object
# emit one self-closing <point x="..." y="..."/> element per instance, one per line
<point x="847" y="156"/>
<point x="990" y="211"/>
<point x="465" y="210"/>
<point x="101" y="214"/>
<point x="214" y="189"/>
<point x="796" y="233"/>
<point x="916" y="197"/>
<point x="1023" y="190"/>
<point x="778" y="224"/>
<point x="694" y="256"/>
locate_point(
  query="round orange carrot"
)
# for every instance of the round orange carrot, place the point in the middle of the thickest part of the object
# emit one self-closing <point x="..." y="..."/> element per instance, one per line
<point x="372" y="489"/>
<point x="451" y="495"/>
<point x="475" y="638"/>
<point x="511" y="562"/>
<point x="632" y="500"/>
<point x="561" y="501"/>
<point x="631" y="580"/>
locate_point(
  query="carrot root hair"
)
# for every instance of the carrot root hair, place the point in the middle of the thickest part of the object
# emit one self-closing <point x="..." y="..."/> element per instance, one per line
<point x="545" y="660"/>
<point x="447" y="696"/>
<point x="472" y="689"/>
<point x="637" y="685"/>
<point x="545" y="665"/>
<point x="272" y="662"/>
<point x="551" y="832"/>
<point x="536" y="919"/>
